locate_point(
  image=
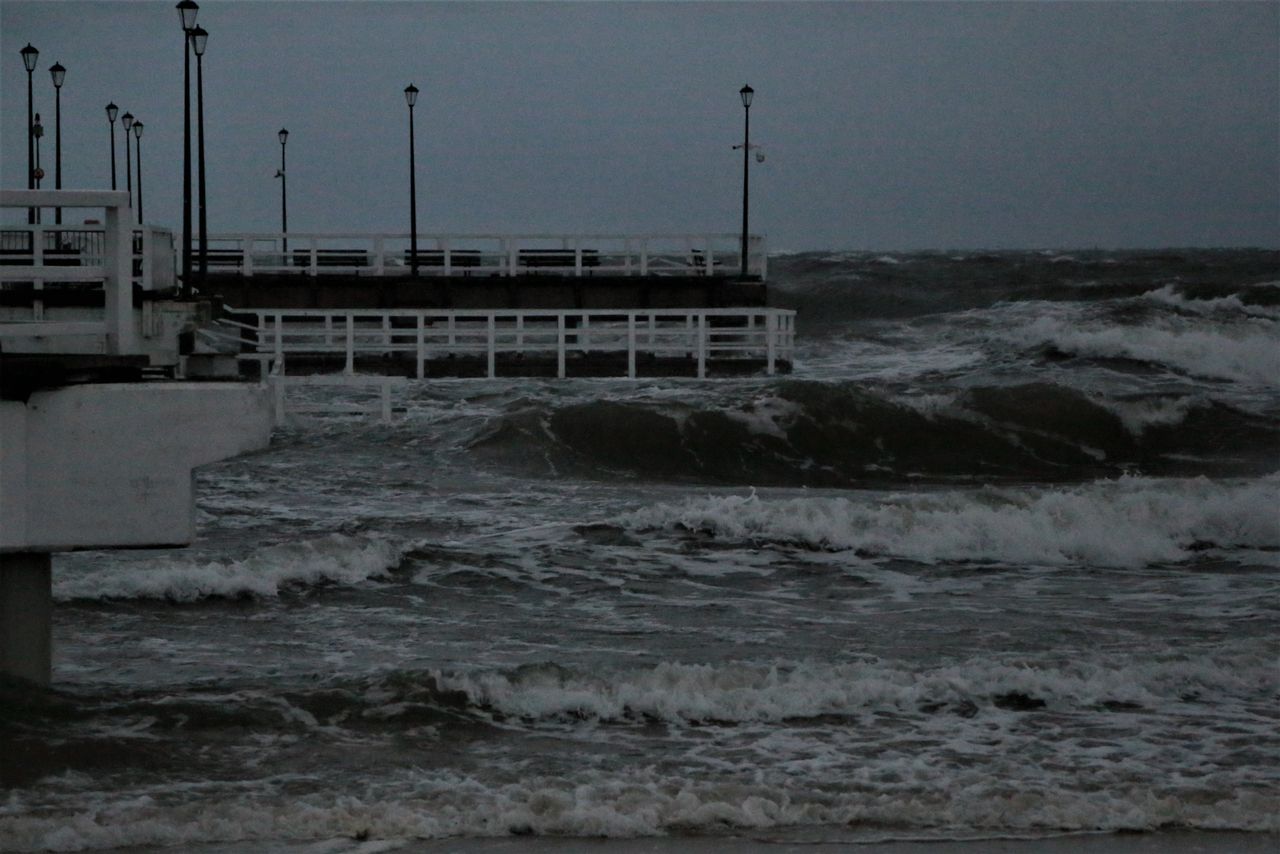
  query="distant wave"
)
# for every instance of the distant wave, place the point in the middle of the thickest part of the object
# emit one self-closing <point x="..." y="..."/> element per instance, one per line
<point x="266" y="573"/>
<point x="800" y="433"/>
<point x="1129" y="522"/>
<point x="1247" y="353"/>
<point x="830" y="290"/>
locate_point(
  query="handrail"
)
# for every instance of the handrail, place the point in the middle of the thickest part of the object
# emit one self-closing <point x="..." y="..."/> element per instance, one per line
<point x="117" y="273"/>
<point x="456" y="254"/>
<point x="765" y="334"/>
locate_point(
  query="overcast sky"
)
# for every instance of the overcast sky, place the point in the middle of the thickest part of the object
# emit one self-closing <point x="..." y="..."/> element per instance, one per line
<point x="885" y="125"/>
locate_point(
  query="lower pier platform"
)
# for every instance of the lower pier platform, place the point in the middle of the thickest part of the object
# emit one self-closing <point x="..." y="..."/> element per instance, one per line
<point x="335" y="291"/>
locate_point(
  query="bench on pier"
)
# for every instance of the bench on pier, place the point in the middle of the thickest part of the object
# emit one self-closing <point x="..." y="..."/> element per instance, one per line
<point x="435" y="258"/>
<point x="332" y="258"/>
<point x="51" y="257"/>
<point x="224" y="258"/>
<point x="698" y="261"/>
<point x="535" y="258"/>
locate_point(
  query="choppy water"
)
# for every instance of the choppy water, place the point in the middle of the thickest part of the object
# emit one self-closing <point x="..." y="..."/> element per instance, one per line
<point x="1002" y="556"/>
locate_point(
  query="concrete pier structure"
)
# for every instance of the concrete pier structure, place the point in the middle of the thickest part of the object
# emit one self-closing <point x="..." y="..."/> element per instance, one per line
<point x="87" y="461"/>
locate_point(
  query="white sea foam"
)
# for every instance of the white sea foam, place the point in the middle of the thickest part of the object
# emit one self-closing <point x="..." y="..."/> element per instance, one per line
<point x="1140" y="415"/>
<point x="435" y="804"/>
<point x="1168" y="295"/>
<point x="747" y="692"/>
<point x="333" y="559"/>
<point x="1123" y="523"/>
<point x="1246" y="351"/>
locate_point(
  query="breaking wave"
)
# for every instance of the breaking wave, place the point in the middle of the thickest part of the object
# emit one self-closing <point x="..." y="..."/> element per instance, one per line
<point x="859" y="774"/>
<point x="266" y="573"/>
<point x="803" y="433"/>
<point x="1130" y="522"/>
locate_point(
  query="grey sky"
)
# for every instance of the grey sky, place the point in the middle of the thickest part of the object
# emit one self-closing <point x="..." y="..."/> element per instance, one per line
<point x="885" y="125"/>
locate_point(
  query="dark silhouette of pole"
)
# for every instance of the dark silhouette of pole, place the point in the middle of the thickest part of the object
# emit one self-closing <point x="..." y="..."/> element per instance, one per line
<point x="37" y="130"/>
<point x="137" y="132"/>
<point x="199" y="38"/>
<point x="187" y="11"/>
<point x="112" y="111"/>
<point x="747" y="93"/>
<point x="283" y="136"/>
<point x="58" y="73"/>
<point x="411" y="97"/>
<point x="29" y="57"/>
<point x="126" y="121"/>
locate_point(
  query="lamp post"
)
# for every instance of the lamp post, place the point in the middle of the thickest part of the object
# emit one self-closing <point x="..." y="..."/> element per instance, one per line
<point x="29" y="57"/>
<point x="58" y="73"/>
<point x="126" y="121"/>
<point x="747" y="93"/>
<point x="199" y="37"/>
<point x="411" y="98"/>
<point x="283" y="136"/>
<point x="137" y="132"/>
<point x="37" y="131"/>
<point x="112" y="111"/>
<point x="187" y="11"/>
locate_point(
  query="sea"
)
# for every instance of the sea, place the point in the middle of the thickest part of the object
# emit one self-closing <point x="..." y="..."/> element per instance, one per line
<point x="998" y="559"/>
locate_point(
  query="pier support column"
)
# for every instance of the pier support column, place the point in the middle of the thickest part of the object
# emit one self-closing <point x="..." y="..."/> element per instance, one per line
<point x="26" y="616"/>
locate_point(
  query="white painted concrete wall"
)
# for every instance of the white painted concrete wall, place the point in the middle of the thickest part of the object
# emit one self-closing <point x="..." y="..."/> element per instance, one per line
<point x="102" y="466"/>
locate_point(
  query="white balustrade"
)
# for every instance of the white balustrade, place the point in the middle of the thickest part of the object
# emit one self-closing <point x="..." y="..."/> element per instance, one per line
<point x="706" y="336"/>
<point x="462" y="255"/>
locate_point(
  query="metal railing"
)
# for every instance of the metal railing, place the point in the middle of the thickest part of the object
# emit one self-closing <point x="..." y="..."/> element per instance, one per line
<point x="23" y="247"/>
<point x="704" y="335"/>
<point x="111" y="268"/>
<point x="581" y="255"/>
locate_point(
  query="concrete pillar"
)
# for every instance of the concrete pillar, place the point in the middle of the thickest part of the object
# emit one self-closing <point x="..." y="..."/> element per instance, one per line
<point x="26" y="616"/>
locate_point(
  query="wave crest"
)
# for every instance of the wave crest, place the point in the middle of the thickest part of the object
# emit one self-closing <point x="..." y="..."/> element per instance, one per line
<point x="266" y="573"/>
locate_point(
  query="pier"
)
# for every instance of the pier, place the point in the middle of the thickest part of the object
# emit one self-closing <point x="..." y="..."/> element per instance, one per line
<point x="97" y="440"/>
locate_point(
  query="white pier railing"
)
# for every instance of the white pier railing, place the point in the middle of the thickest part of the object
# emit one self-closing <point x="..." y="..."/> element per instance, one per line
<point x="704" y="336"/>
<point x="108" y="265"/>
<point x="486" y="254"/>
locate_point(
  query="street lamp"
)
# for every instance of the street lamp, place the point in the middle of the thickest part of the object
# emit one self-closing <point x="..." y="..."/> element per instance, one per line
<point x="137" y="132"/>
<point x="199" y="37"/>
<point x="187" y="11"/>
<point x="747" y="94"/>
<point x="58" y="73"/>
<point x="283" y="136"/>
<point x="411" y="98"/>
<point x="112" y="111"/>
<point x="37" y="131"/>
<point x="126" y="121"/>
<point x="29" y="57"/>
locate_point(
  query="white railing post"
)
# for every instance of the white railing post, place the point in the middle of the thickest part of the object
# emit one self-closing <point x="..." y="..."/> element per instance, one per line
<point x="702" y="345"/>
<point x="770" y="332"/>
<point x="118" y="284"/>
<point x="379" y="254"/>
<point x="351" y="345"/>
<point x="631" y="346"/>
<point x="577" y="257"/>
<point x="422" y="356"/>
<point x="246" y="256"/>
<point x="560" y="336"/>
<point x="278" y="344"/>
<point x="448" y="257"/>
<point x="492" y="348"/>
<point x="644" y="256"/>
